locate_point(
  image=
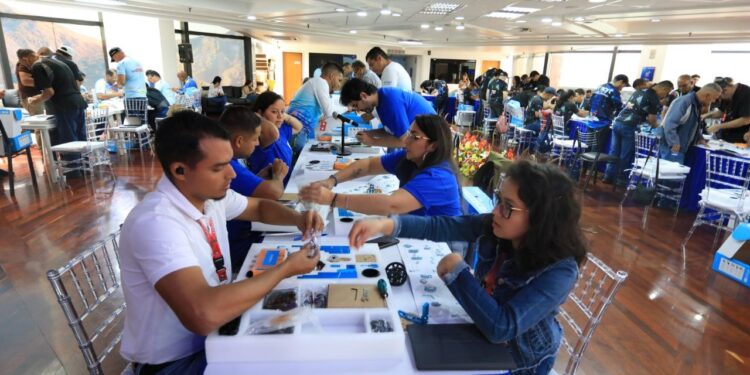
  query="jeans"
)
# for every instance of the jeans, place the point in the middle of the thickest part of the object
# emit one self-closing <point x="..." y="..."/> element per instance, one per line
<point x="192" y="364"/>
<point x="218" y="100"/>
<point x="298" y="142"/>
<point x="622" y="147"/>
<point x="71" y="126"/>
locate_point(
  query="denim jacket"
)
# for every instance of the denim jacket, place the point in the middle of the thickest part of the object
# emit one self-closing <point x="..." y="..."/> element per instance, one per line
<point x="523" y="307"/>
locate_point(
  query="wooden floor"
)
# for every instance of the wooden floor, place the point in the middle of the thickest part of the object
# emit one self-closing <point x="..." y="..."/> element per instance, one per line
<point x="665" y="320"/>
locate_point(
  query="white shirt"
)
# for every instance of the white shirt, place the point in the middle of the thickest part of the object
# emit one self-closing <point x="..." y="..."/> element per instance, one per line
<point x="214" y="91"/>
<point x="370" y="77"/>
<point x="166" y="89"/>
<point x="103" y="87"/>
<point x="394" y="75"/>
<point x="162" y="235"/>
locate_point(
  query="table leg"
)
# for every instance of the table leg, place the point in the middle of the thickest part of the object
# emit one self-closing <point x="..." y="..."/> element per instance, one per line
<point x="49" y="160"/>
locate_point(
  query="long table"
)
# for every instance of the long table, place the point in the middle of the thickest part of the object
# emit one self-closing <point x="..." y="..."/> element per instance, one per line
<point x="695" y="182"/>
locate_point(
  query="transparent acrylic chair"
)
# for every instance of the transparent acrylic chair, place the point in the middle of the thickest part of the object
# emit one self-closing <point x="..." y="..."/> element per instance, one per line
<point x="586" y="304"/>
<point x="88" y="290"/>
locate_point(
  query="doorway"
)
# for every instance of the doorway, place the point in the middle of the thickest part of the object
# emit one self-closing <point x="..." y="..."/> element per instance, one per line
<point x="292" y="74"/>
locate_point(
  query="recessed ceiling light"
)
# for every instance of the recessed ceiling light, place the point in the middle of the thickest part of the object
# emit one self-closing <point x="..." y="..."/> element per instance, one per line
<point x="438" y="28"/>
<point x="385" y="11"/>
<point x="520" y="9"/>
<point x="410" y="42"/>
<point x="656" y="20"/>
<point x="362" y="13"/>
<point x="579" y="19"/>
<point x="396" y="14"/>
<point x="276" y="21"/>
<point x="556" y="23"/>
<point x="440" y="9"/>
<point x="460" y="27"/>
<point x="425" y="26"/>
<point x="459" y="18"/>
<point x="520" y="21"/>
<point x="103" y="2"/>
<point x="340" y="10"/>
<point x="596" y="1"/>
<point x="546" y="20"/>
<point x="352" y="31"/>
<point x="252" y="18"/>
<point x="619" y="35"/>
<point x="511" y="13"/>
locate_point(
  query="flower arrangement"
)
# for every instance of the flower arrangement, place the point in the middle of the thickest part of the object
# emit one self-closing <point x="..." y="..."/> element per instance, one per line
<point x="472" y="154"/>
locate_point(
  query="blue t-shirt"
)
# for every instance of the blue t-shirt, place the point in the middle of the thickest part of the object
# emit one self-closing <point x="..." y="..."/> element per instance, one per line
<point x="397" y="109"/>
<point x="606" y="102"/>
<point x="135" y="78"/>
<point x="188" y="84"/>
<point x="435" y="188"/>
<point x="245" y="183"/>
<point x="262" y="157"/>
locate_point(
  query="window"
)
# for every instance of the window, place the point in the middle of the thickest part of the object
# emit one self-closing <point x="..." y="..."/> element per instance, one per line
<point x="451" y="70"/>
<point x="578" y="69"/>
<point x="628" y="63"/>
<point x="33" y="32"/>
<point x="316" y="60"/>
<point x="215" y="54"/>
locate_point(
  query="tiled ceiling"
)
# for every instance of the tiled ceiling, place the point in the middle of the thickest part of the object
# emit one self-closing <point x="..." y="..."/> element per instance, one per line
<point x="466" y="22"/>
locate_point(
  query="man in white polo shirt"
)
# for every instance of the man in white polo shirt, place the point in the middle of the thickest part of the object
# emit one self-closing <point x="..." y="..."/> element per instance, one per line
<point x="174" y="253"/>
<point x="392" y="74"/>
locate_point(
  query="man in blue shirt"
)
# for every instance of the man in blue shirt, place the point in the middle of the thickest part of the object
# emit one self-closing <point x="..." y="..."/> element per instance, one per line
<point x="130" y="74"/>
<point x="396" y="109"/>
<point x="187" y="82"/>
<point x="243" y="126"/>
<point x="642" y="107"/>
<point x="606" y="101"/>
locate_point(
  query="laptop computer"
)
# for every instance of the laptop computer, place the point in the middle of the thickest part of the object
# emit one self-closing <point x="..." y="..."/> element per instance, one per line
<point x="456" y="347"/>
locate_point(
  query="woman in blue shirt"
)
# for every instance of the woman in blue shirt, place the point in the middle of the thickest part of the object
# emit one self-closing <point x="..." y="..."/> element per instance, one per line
<point x="425" y="169"/>
<point x="274" y="135"/>
<point x="529" y="251"/>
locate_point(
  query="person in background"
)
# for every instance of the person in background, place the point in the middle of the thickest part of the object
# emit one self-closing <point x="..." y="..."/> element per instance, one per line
<point x="247" y="88"/>
<point x="65" y="54"/>
<point x="428" y="184"/>
<point x="130" y="75"/>
<point x="496" y="91"/>
<point x="680" y="126"/>
<point x="396" y="109"/>
<point x="587" y="100"/>
<point x="605" y="101"/>
<point x="642" y="107"/>
<point x="440" y="88"/>
<point x="187" y="84"/>
<point x="362" y="72"/>
<point x="158" y="102"/>
<point x="59" y="92"/>
<point x="529" y="250"/>
<point x="517" y="86"/>
<point x="695" y="78"/>
<point x="567" y="106"/>
<point x="348" y="71"/>
<point x="426" y="87"/>
<point x="106" y="88"/>
<point x="684" y="87"/>
<point x="44" y="52"/>
<point x="87" y="96"/>
<point x="536" y="80"/>
<point x="392" y="74"/>
<point x="155" y="81"/>
<point x="465" y="82"/>
<point x="319" y="70"/>
<point x="735" y="105"/>
<point x="216" y="93"/>
<point x="174" y="257"/>
<point x="26" y="87"/>
<point x="312" y="103"/>
<point x="244" y="128"/>
<point x="640" y="84"/>
<point x="277" y="131"/>
<point x="537" y="105"/>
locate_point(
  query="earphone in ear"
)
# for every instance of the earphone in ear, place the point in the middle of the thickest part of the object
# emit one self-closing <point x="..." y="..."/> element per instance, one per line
<point x="179" y="170"/>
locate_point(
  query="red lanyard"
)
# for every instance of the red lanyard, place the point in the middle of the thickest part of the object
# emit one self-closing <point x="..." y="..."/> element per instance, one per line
<point x="221" y="270"/>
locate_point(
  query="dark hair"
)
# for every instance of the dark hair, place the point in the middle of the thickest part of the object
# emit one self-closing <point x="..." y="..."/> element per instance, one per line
<point x="516" y="81"/>
<point x="353" y="88"/>
<point x="524" y="76"/>
<point x="564" y="97"/>
<point x="346" y="64"/>
<point x="580" y="92"/>
<point x="248" y="82"/>
<point x="154" y="73"/>
<point x="438" y="131"/>
<point x="178" y="138"/>
<point x="554" y="214"/>
<point x="111" y="72"/>
<point x="239" y="119"/>
<point x="695" y="76"/>
<point x="265" y="100"/>
<point x="666" y="84"/>
<point x="588" y="91"/>
<point x="216" y="80"/>
<point x="330" y="67"/>
<point x="358" y="65"/>
<point x="374" y="52"/>
<point x="533" y="73"/>
<point x="24" y="52"/>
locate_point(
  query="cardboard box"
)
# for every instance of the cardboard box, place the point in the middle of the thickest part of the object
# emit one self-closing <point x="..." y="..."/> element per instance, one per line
<point x="733" y="257"/>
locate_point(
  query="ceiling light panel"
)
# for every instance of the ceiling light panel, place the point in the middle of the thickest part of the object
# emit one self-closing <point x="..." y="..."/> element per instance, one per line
<point x="440" y="9"/>
<point x="511" y="12"/>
